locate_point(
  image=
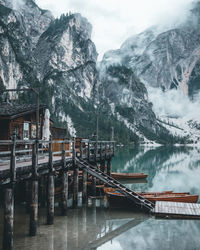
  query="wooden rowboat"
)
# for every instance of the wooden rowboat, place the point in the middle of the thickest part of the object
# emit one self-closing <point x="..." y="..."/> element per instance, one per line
<point x="117" y="200"/>
<point x="114" y="190"/>
<point x="128" y="175"/>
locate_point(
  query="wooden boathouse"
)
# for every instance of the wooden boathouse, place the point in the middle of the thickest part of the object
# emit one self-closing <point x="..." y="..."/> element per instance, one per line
<point x="20" y="118"/>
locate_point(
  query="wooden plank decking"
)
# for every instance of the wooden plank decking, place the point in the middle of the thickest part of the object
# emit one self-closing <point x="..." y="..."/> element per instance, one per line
<point x="180" y="210"/>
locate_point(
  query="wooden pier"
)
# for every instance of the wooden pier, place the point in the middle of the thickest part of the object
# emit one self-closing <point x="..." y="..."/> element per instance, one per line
<point x="44" y="164"/>
<point x="179" y="210"/>
<point x="38" y="172"/>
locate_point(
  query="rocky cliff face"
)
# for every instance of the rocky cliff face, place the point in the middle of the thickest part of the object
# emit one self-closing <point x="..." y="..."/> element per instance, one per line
<point x="19" y="32"/>
<point x="58" y="57"/>
<point x="167" y="60"/>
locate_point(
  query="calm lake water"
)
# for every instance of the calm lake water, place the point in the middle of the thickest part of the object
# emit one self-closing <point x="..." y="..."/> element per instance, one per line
<point x="96" y="227"/>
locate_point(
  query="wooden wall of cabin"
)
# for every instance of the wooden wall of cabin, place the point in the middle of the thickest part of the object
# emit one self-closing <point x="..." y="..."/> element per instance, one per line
<point x="18" y="124"/>
<point x="57" y="147"/>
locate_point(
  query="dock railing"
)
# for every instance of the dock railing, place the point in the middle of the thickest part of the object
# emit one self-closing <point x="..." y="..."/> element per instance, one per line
<point x="57" y="149"/>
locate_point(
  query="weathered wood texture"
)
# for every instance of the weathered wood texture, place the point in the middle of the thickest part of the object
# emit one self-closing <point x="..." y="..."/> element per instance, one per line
<point x="75" y="187"/>
<point x="64" y="196"/>
<point x="33" y="208"/>
<point x="34" y="195"/>
<point x="94" y="180"/>
<point x="84" y="191"/>
<point x="50" y="188"/>
<point x="28" y="195"/>
<point x="177" y="210"/>
<point x="109" y="167"/>
<point x="50" y="200"/>
<point x="8" y="219"/>
<point x="9" y="201"/>
<point x="102" y="166"/>
<point x="57" y="147"/>
<point x="64" y="180"/>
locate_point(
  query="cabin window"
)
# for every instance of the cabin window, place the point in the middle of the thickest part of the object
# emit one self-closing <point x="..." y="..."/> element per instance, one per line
<point x="26" y="131"/>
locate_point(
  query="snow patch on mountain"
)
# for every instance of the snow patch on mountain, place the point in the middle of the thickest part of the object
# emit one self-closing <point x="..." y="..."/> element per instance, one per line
<point x="70" y="126"/>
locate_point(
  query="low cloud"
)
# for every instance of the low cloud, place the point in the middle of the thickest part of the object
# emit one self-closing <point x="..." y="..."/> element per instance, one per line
<point x="174" y="103"/>
<point x="114" y="20"/>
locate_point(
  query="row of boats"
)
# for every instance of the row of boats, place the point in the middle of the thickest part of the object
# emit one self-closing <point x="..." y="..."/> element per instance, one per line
<point x="116" y="199"/>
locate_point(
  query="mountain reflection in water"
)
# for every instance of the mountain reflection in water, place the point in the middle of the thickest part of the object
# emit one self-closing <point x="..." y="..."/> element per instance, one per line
<point x="168" y="168"/>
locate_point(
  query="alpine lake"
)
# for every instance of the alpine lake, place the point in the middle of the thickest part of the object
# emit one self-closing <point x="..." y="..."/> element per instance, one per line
<point x="95" y="226"/>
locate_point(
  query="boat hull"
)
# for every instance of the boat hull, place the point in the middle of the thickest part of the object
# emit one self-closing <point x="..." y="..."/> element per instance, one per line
<point x="128" y="175"/>
<point x="116" y="200"/>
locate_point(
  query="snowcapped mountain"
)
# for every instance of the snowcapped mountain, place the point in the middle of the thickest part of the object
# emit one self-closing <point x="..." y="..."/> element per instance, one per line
<point x="168" y="63"/>
<point x="58" y="57"/>
<point x="167" y="59"/>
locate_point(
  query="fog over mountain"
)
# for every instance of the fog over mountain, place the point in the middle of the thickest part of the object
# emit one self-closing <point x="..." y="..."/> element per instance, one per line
<point x="140" y="89"/>
<point x="115" y="20"/>
<point x="168" y="63"/>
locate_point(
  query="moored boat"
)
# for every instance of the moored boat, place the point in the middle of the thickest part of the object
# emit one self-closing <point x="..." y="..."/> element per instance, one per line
<point x="128" y="175"/>
<point x="117" y="200"/>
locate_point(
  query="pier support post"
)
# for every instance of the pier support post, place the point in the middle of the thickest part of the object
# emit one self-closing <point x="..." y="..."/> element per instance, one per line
<point x="8" y="219"/>
<point x="28" y="194"/>
<point x="33" y="208"/>
<point x="102" y="167"/>
<point x="109" y="167"/>
<point x="75" y="180"/>
<point x="64" y="195"/>
<point x="88" y="153"/>
<point x="84" y="194"/>
<point x="34" y="195"/>
<point x="50" y="188"/>
<point x="43" y="191"/>
<point x="50" y="200"/>
<point x="75" y="188"/>
<point x="94" y="185"/>
<point x="9" y="201"/>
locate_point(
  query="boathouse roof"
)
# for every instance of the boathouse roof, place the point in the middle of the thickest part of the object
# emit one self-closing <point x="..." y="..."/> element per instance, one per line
<point x="13" y="110"/>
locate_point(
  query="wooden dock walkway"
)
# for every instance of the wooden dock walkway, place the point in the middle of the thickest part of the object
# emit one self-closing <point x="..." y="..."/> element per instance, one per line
<point x="179" y="210"/>
<point x="28" y="164"/>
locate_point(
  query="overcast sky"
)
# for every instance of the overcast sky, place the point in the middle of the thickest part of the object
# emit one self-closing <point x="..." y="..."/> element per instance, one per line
<point x="115" y="20"/>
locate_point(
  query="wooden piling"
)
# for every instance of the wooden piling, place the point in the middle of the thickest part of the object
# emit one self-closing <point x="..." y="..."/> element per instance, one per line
<point x="34" y="195"/>
<point x="84" y="193"/>
<point x="81" y="149"/>
<point x="9" y="201"/>
<point x="50" y="200"/>
<point x="33" y="208"/>
<point x="75" y="188"/>
<point x="94" y="186"/>
<point x="8" y="219"/>
<point x="50" y="188"/>
<point x="64" y="196"/>
<point x="88" y="151"/>
<point x="100" y="151"/>
<point x="75" y="176"/>
<point x="43" y="191"/>
<point x="27" y="194"/>
<point x="102" y="166"/>
<point x="109" y="167"/>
